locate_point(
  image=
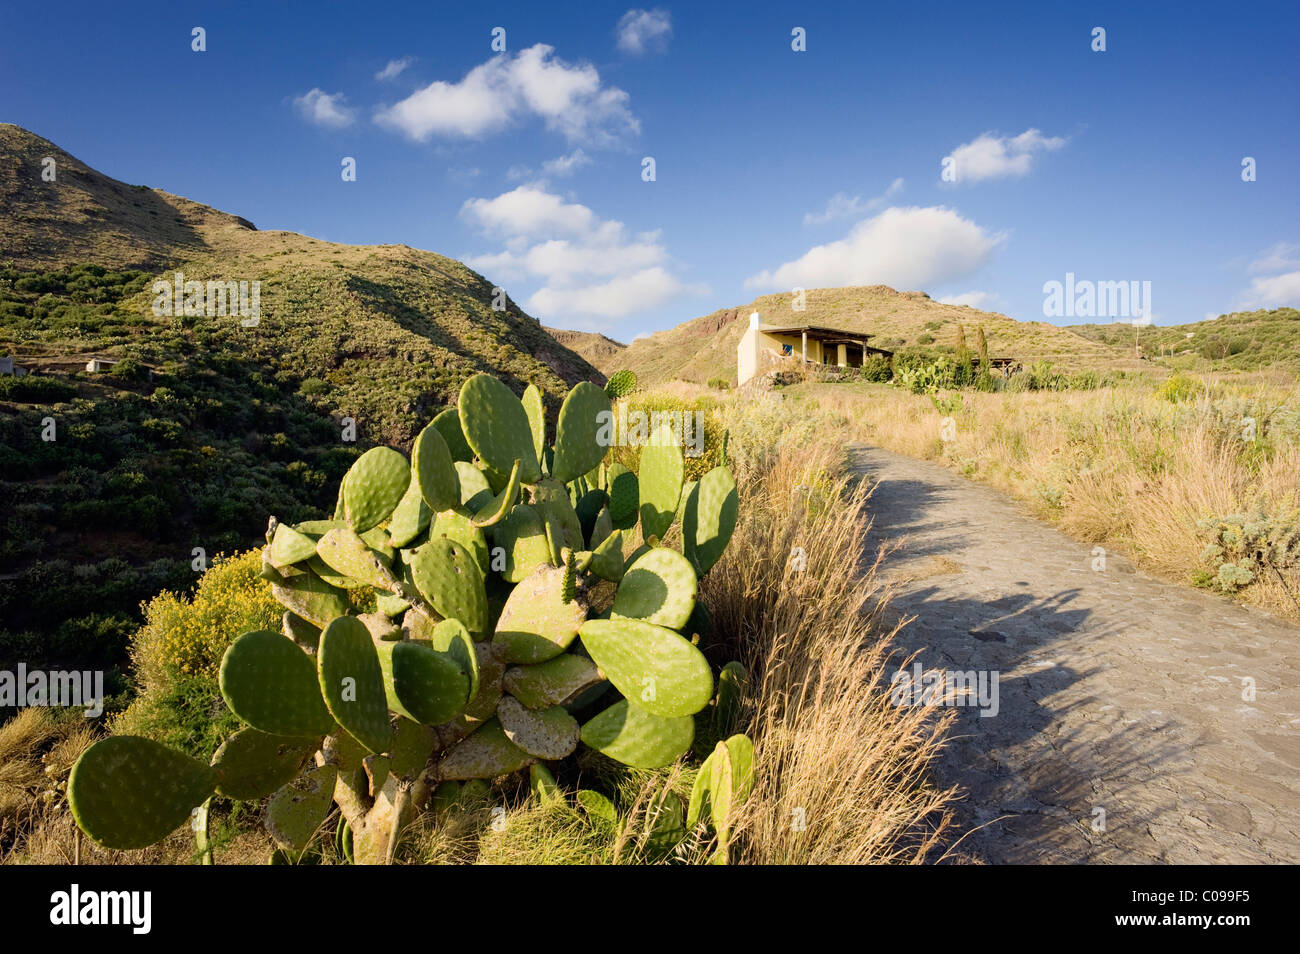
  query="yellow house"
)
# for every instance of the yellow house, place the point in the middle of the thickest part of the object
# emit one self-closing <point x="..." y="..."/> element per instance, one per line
<point x="792" y="347"/>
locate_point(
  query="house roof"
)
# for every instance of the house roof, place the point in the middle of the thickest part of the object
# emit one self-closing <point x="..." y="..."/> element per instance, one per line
<point x="816" y="331"/>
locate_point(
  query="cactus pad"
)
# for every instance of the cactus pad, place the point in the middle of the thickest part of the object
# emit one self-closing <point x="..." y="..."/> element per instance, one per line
<point x="422" y="684"/>
<point x="486" y="754"/>
<point x="533" y="407"/>
<point x="129" y="792"/>
<point x="432" y="468"/>
<point x="635" y="737"/>
<point x="447" y="575"/>
<point x="296" y="812"/>
<point x="536" y="624"/>
<point x="344" y="552"/>
<point x="310" y="597"/>
<point x="496" y="427"/>
<point x="659" y="588"/>
<point x="710" y="519"/>
<point x="621" y="383"/>
<point x="583" y="432"/>
<point x="448" y="425"/>
<point x="652" y="666"/>
<point x="607" y="558"/>
<point x="410" y="517"/>
<point x="289" y="546"/>
<point x="270" y="684"/>
<point x="456" y="525"/>
<point x="494" y="510"/>
<point x="545" y="733"/>
<point x="624" y="496"/>
<point x="475" y="491"/>
<point x="662" y="469"/>
<point x="252" y="764"/>
<point x="374" y="486"/>
<point x="352" y="683"/>
<point x="451" y="638"/>
<point x="522" y="537"/>
<point x="553" y="682"/>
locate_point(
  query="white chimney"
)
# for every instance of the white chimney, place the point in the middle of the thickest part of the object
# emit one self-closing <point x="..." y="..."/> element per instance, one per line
<point x="753" y="320"/>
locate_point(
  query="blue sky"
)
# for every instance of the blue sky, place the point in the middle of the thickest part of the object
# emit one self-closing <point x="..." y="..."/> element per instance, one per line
<point x="773" y="168"/>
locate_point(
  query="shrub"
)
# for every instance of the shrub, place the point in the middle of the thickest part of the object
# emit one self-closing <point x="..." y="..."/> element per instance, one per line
<point x="1178" y="388"/>
<point x="875" y="368"/>
<point x="36" y="389"/>
<point x="719" y="384"/>
<point x="925" y="339"/>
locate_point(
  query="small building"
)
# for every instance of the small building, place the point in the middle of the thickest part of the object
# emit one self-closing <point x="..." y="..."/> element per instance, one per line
<point x="99" y="364"/>
<point x="792" y="347"/>
<point x="7" y="366"/>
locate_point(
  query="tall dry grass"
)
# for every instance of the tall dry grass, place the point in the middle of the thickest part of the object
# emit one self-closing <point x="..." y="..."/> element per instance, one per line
<point x="841" y="773"/>
<point x="1121" y="466"/>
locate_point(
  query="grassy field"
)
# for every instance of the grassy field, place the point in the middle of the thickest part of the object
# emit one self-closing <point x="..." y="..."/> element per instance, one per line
<point x="1194" y="477"/>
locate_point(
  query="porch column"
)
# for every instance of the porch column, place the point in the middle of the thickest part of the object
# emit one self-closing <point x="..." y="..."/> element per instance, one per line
<point x="804" y="335"/>
<point x="842" y="355"/>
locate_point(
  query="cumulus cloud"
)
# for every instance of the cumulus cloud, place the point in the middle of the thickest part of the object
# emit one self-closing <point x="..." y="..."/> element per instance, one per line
<point x="1273" y="291"/>
<point x="976" y="299"/>
<point x="325" y="109"/>
<point x="589" y="267"/>
<point x="559" y="167"/>
<point x="1277" y="279"/>
<point x="907" y="248"/>
<point x="642" y="31"/>
<point x="394" y="68"/>
<point x="569" y="98"/>
<point x="842" y="205"/>
<point x="995" y="157"/>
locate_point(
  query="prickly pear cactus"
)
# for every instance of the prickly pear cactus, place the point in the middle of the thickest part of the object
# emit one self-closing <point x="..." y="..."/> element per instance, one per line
<point x="511" y="628"/>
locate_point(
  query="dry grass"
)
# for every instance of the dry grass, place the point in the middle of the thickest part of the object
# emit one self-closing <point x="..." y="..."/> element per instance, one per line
<point x="841" y="773"/>
<point x="1120" y="467"/>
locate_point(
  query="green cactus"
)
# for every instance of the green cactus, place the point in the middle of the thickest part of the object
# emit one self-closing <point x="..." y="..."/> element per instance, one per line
<point x="496" y="643"/>
<point x="724" y="782"/>
<point x="620" y="384"/>
<point x="658" y="588"/>
<point x="660" y="481"/>
<point x="129" y="792"/>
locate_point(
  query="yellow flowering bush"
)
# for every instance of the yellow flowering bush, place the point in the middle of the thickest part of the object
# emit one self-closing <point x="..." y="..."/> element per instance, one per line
<point x="187" y="636"/>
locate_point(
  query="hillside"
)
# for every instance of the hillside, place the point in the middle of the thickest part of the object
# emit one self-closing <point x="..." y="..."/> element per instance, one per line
<point x="206" y="425"/>
<point x="1241" y="341"/>
<point x="706" y="347"/>
<point x="601" y="351"/>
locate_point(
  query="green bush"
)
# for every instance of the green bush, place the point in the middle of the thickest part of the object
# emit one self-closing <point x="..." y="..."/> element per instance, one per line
<point x="1178" y="388"/>
<point x="876" y="368"/>
<point x="36" y="389"/>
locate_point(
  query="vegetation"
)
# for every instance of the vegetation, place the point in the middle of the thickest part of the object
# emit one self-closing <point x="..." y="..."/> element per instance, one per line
<point x="1193" y="477"/>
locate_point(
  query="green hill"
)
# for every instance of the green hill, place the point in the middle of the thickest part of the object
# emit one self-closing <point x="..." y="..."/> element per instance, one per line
<point x="1241" y="341"/>
<point x="206" y="425"/>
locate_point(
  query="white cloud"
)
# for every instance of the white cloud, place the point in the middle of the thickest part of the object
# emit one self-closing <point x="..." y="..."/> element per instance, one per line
<point x="570" y="99"/>
<point x="906" y="248"/>
<point x="1273" y="291"/>
<point x="394" y="68"/>
<point x="975" y="299"/>
<point x="616" y="298"/>
<point x="842" y="205"/>
<point x="993" y="157"/>
<point x="640" y="31"/>
<point x="589" y="267"/>
<point x="1280" y="257"/>
<point x="325" y="109"/>
<point x="560" y="167"/>
<point x="566" y="165"/>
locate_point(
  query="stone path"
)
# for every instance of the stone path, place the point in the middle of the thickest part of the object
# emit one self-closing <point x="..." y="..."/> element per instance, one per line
<point x="1115" y="691"/>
